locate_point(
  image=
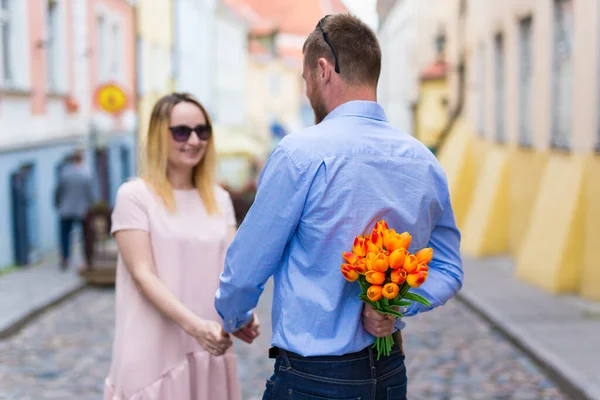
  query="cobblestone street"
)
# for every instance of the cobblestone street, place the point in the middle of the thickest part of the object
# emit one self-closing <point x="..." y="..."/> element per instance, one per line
<point x="451" y="354"/>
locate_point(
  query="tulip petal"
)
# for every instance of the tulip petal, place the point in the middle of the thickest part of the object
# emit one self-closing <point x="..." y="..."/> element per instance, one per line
<point x="424" y="255"/>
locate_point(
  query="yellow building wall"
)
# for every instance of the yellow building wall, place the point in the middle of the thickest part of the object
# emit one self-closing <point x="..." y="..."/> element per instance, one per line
<point x="551" y="256"/>
<point x="526" y="167"/>
<point x="550" y="200"/>
<point x="458" y="161"/>
<point x="590" y="282"/>
<point x="155" y="30"/>
<point x="432" y="114"/>
<point x="486" y="225"/>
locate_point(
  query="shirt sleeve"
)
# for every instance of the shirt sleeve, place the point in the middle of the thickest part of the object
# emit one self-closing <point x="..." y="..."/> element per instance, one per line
<point x="445" y="269"/>
<point x="257" y="249"/>
<point x="130" y="212"/>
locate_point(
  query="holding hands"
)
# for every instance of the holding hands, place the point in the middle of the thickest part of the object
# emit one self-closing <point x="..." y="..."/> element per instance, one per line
<point x="211" y="336"/>
<point x="249" y="332"/>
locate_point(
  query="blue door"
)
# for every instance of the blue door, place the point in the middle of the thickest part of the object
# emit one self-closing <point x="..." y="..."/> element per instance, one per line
<point x="125" y="154"/>
<point x="24" y="215"/>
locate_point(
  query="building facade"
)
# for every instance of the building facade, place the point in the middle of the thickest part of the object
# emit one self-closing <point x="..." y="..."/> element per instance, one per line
<point x="155" y="54"/>
<point x="408" y="32"/>
<point x="47" y="110"/>
<point x="522" y="156"/>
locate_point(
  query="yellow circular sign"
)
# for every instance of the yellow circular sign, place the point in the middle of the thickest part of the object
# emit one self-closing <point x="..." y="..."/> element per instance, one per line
<point x="111" y="98"/>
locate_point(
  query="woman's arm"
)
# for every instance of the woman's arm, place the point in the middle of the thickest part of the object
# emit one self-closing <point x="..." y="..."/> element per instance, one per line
<point x="135" y="249"/>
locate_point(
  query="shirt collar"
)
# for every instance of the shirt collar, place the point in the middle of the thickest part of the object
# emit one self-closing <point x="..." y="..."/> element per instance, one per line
<point x="358" y="108"/>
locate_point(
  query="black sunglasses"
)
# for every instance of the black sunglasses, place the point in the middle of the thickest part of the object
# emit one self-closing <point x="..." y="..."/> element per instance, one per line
<point x="326" y="38"/>
<point x="181" y="133"/>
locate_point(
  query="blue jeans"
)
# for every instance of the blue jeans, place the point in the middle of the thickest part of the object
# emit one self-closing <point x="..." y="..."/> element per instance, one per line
<point x="349" y="377"/>
<point x="66" y="226"/>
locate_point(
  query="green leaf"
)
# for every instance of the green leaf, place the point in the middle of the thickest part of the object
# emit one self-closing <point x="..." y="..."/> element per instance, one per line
<point x="362" y="284"/>
<point x="393" y="312"/>
<point x="385" y="302"/>
<point x="417" y="298"/>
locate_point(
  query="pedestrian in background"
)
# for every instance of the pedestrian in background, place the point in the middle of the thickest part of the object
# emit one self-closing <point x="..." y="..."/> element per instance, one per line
<point x="172" y="228"/>
<point x="74" y="196"/>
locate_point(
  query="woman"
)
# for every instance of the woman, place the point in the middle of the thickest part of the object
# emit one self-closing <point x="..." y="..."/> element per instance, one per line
<point x="172" y="228"/>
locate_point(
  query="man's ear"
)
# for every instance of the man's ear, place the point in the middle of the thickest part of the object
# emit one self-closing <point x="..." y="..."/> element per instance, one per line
<point x="323" y="70"/>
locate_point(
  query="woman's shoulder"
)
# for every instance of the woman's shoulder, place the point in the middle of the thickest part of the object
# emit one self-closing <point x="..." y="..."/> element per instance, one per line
<point x="221" y="193"/>
<point x="133" y="188"/>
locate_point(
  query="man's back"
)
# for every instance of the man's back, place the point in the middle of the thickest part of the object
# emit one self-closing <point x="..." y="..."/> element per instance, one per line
<point x="342" y="175"/>
<point x="75" y="192"/>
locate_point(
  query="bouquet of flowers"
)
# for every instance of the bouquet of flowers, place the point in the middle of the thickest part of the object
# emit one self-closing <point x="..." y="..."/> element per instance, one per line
<point x="386" y="271"/>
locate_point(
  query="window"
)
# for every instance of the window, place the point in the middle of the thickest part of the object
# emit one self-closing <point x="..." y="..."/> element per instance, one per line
<point x="481" y="92"/>
<point x="117" y="57"/>
<point x="52" y="43"/>
<point x="525" y="82"/>
<point x="139" y="69"/>
<point x="102" y="49"/>
<point x="500" y="88"/>
<point x="5" y="41"/>
<point x="562" y="74"/>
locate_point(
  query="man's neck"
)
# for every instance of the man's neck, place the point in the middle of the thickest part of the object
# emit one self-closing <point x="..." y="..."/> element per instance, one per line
<point x="354" y="93"/>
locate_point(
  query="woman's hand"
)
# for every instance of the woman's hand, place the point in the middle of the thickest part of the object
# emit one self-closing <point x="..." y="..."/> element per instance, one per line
<point x="211" y="336"/>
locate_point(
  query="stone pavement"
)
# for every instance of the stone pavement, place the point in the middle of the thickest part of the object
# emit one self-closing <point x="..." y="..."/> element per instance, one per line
<point x="452" y="354"/>
<point x="562" y="333"/>
<point x="30" y="290"/>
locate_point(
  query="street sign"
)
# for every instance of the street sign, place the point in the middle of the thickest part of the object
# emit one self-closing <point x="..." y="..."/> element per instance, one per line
<point x="111" y="98"/>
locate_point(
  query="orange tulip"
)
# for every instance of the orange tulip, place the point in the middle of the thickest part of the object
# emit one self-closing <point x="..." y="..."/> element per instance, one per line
<point x="411" y="263"/>
<point x="375" y="277"/>
<point x="398" y="276"/>
<point x="397" y="258"/>
<point x="371" y="247"/>
<point x="349" y="272"/>
<point x="417" y="279"/>
<point x="405" y="239"/>
<point x="374" y="293"/>
<point x="390" y="291"/>
<point x="368" y="260"/>
<point x="381" y="226"/>
<point x="358" y="247"/>
<point x="350" y="258"/>
<point x="361" y="266"/>
<point x="381" y="263"/>
<point x="377" y="239"/>
<point x="387" y="236"/>
<point x="424" y="255"/>
<point x="422" y="267"/>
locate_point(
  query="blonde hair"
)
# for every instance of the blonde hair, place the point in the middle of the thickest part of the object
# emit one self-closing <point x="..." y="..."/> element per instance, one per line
<point x="154" y="152"/>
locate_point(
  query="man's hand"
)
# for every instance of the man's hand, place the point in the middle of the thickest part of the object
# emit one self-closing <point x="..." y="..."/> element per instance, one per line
<point x="249" y="332"/>
<point x="377" y="324"/>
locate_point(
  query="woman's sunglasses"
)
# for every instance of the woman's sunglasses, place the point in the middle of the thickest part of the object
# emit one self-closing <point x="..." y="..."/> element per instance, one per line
<point x="181" y="133"/>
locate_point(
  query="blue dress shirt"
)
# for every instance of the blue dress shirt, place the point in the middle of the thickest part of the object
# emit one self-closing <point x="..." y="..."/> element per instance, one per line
<point x="320" y="189"/>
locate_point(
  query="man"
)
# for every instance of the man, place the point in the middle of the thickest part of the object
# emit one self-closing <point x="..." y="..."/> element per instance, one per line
<point x="319" y="189"/>
<point x="74" y="196"/>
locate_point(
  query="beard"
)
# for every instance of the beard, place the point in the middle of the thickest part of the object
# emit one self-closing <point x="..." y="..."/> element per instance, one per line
<point x="318" y="105"/>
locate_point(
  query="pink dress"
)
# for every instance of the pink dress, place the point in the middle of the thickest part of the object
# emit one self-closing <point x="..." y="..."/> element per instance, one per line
<point x="153" y="358"/>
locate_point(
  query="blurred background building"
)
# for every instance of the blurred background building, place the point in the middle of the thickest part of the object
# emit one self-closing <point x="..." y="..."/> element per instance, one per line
<point x="506" y="93"/>
<point x="86" y="73"/>
<point x="54" y="55"/>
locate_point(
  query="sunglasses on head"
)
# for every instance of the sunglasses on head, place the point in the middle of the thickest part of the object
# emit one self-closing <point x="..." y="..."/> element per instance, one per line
<point x="181" y="133"/>
<point x="326" y="38"/>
